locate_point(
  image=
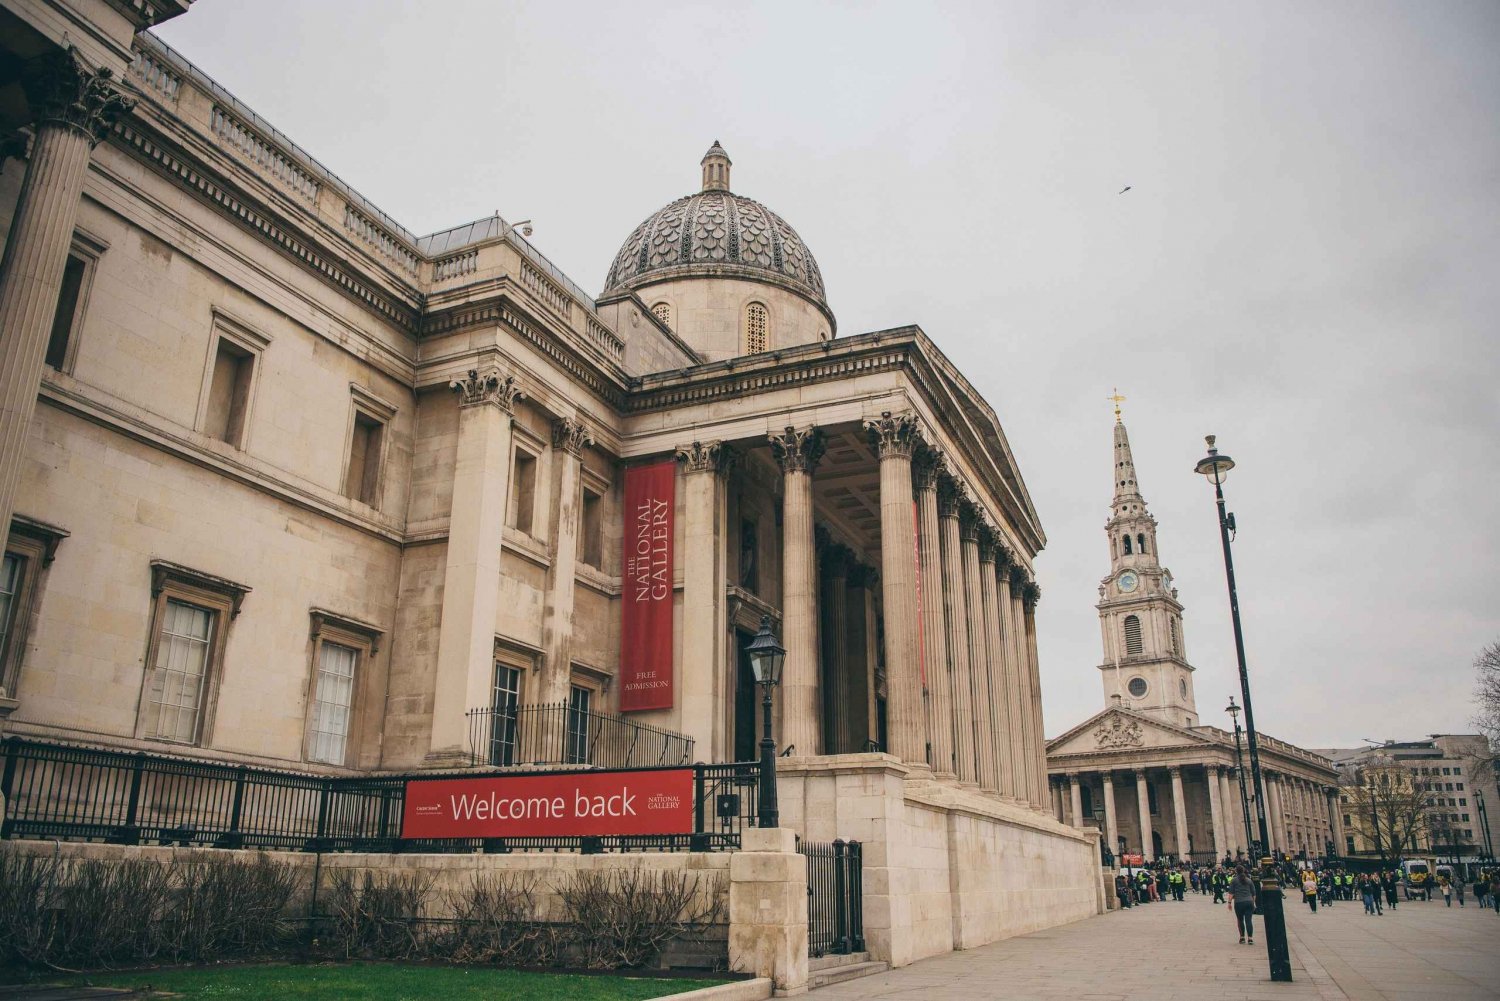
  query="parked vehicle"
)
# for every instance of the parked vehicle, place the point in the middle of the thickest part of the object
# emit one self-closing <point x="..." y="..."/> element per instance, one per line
<point x="1418" y="878"/>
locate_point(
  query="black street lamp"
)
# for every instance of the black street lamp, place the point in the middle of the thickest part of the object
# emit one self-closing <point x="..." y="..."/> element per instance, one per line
<point x="1239" y="761"/>
<point x="766" y="657"/>
<point x="1216" y="468"/>
<point x="1484" y="825"/>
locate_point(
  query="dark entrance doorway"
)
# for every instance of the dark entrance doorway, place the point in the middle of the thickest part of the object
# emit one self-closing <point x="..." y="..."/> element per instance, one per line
<point x="1156" y="851"/>
<point x="745" y="736"/>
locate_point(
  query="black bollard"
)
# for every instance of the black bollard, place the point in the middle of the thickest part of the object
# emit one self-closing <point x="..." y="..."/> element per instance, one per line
<point x="1274" y="920"/>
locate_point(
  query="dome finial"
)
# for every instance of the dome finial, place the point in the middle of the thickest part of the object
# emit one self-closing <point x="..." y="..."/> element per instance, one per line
<point x="716" y="165"/>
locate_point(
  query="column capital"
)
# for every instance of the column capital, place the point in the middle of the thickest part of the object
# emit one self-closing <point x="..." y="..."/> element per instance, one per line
<point x="837" y="560"/>
<point x="63" y="91"/>
<point x="490" y="387"/>
<point x="1175" y="771"/>
<point x="927" y="466"/>
<point x="798" y="451"/>
<point x="1140" y="773"/>
<point x="706" y="457"/>
<point x="951" y="495"/>
<point x="894" y="435"/>
<point x="986" y="534"/>
<point x="1004" y="557"/>
<point x="1107" y="776"/>
<point x="571" y="436"/>
<point x="863" y="576"/>
<point x="969" y="517"/>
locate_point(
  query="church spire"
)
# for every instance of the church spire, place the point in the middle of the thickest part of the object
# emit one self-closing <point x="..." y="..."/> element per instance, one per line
<point x="1128" y="499"/>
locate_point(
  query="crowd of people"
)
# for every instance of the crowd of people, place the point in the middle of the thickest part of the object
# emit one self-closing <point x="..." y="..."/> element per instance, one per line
<point x="1233" y="883"/>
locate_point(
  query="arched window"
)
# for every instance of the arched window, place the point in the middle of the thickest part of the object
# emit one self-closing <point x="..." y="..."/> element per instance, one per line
<point x="1127" y="545"/>
<point x="663" y="311"/>
<point x="755" y="328"/>
<point x="1141" y="543"/>
<point x="1132" y="635"/>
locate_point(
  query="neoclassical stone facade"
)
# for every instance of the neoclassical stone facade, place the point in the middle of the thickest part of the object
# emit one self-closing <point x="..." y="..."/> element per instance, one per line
<point x="1144" y="771"/>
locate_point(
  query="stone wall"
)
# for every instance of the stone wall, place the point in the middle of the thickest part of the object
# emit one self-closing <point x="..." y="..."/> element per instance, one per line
<point x="945" y="867"/>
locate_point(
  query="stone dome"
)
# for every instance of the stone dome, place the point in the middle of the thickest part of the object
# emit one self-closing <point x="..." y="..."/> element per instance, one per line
<point x="716" y="233"/>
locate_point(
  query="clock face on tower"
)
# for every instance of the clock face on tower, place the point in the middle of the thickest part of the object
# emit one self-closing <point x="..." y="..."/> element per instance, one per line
<point x="1128" y="581"/>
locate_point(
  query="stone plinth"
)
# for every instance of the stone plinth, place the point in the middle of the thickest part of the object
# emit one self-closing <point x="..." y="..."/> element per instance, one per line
<point x="768" y="910"/>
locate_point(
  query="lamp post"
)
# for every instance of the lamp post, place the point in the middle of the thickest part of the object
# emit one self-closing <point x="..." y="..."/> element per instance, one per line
<point x="1239" y="760"/>
<point x="766" y="657"/>
<point x="1484" y="825"/>
<point x="1215" y="468"/>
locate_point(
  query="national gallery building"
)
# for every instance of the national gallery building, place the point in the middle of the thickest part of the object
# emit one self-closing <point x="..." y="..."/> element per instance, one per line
<point x="1145" y="771"/>
<point x="290" y="485"/>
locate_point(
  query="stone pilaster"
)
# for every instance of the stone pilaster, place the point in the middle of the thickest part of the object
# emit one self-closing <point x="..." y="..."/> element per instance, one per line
<point x="1143" y="807"/>
<point x="836" y="561"/>
<point x="75" y="108"/>
<point x="569" y="438"/>
<point x="1179" y="811"/>
<point x="471" y="572"/>
<point x="996" y="722"/>
<point x="703" y="676"/>
<point x="798" y="451"/>
<point x="928" y="467"/>
<point x="1215" y="809"/>
<point x="1111" y="826"/>
<point x="1335" y="820"/>
<point x="895" y="436"/>
<point x="955" y="596"/>
<point x="984" y="746"/>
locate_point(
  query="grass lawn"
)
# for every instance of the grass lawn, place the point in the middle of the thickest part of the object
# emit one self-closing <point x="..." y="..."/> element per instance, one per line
<point x="392" y="982"/>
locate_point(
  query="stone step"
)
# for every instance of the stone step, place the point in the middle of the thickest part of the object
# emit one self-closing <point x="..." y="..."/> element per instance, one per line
<point x="833" y="959"/>
<point x="839" y="974"/>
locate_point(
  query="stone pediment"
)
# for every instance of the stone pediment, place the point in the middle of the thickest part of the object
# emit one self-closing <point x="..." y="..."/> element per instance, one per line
<point x="1121" y="730"/>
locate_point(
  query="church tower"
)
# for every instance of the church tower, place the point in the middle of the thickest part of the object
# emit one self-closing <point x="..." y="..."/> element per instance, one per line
<point x="1145" y="662"/>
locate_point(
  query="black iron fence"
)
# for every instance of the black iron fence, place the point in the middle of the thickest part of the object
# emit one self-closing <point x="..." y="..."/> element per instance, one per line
<point x="94" y="794"/>
<point x="561" y="734"/>
<point x="835" y="897"/>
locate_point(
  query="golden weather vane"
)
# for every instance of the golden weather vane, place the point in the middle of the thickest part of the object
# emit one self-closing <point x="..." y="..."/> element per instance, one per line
<point x="1117" y="399"/>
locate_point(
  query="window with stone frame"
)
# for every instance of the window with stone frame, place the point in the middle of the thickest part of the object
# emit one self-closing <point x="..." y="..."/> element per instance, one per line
<point x="72" y="302"/>
<point x="757" y="332"/>
<point x="342" y="650"/>
<point x="1132" y="635"/>
<point x="28" y="553"/>
<point x="191" y="614"/>
<point x="591" y="529"/>
<point x="663" y="312"/>
<point x="521" y="511"/>
<point x="579" y="719"/>
<point x="229" y="380"/>
<point x="364" y="467"/>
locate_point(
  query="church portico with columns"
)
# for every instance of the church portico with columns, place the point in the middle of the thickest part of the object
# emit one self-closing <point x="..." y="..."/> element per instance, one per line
<point x="1145" y="772"/>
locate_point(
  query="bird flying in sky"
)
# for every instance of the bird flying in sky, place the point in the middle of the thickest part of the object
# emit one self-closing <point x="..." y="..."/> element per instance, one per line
<point x="1123" y="190"/>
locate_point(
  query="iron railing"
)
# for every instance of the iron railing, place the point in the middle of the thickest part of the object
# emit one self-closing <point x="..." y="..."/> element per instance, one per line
<point x="835" y="897"/>
<point x="559" y="734"/>
<point x="96" y="794"/>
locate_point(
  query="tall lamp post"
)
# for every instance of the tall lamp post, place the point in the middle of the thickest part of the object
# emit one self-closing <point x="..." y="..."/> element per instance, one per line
<point x="766" y="657"/>
<point x="1239" y="761"/>
<point x="1484" y="825"/>
<point x="1215" y="468"/>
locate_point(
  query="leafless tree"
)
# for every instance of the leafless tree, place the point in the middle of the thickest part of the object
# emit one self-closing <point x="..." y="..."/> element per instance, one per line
<point x="1389" y="809"/>
<point x="1487" y="691"/>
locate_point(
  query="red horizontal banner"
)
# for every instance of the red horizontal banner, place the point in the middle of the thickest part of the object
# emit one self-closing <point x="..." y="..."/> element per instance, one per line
<point x="659" y="801"/>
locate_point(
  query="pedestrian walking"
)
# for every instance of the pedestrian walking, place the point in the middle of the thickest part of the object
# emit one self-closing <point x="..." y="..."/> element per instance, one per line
<point x="1367" y="891"/>
<point x="1446" y="889"/>
<point x="1242" y="903"/>
<point x="1388" y="880"/>
<point x="1310" y="890"/>
<point x="1458" y="891"/>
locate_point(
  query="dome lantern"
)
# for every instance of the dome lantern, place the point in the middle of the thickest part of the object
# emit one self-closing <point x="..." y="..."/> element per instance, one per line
<point x="716" y="164"/>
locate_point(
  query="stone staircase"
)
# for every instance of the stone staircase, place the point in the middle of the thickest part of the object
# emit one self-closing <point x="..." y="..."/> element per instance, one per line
<point x="828" y="970"/>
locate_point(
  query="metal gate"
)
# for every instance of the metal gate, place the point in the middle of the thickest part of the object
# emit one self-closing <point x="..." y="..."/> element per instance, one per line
<point x="835" y="897"/>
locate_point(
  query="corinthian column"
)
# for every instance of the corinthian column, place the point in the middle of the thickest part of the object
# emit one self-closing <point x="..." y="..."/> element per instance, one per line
<point x="1143" y="807"/>
<point x="75" y="108"/>
<point x="798" y="452"/>
<point x="996" y="721"/>
<point x="984" y="743"/>
<point x="1179" y="811"/>
<point x="1111" y="828"/>
<point x="955" y="603"/>
<point x="895" y="437"/>
<point x="471" y="572"/>
<point x="702" y="678"/>
<point x="1215" y="809"/>
<point x="1010" y="678"/>
<point x="928" y="467"/>
<point x="1032" y="697"/>
<point x="835" y="579"/>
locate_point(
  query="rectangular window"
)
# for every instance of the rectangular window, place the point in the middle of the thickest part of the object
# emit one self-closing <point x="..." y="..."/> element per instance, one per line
<point x="333" y="703"/>
<point x="1463" y="801"/>
<point x="366" y="443"/>
<point x="10" y="590"/>
<point x="577" y="738"/>
<point x="522" y="492"/>
<point x="1447" y="771"/>
<point x="505" y="702"/>
<point x="1464" y="818"/>
<point x="1348" y="845"/>
<point x="1460" y="786"/>
<point x="229" y="393"/>
<point x="65" y="319"/>
<point x="591" y="530"/>
<point x="174" y="699"/>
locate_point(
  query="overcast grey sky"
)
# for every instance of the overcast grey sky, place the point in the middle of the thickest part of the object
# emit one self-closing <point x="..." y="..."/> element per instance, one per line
<point x="1308" y="264"/>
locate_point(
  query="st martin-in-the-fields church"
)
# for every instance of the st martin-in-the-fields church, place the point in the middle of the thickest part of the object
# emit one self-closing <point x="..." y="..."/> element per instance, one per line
<point x="1144" y="770"/>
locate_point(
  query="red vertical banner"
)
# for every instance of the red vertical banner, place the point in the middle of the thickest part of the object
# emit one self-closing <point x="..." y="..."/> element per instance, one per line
<point x="916" y="538"/>
<point x="646" y="613"/>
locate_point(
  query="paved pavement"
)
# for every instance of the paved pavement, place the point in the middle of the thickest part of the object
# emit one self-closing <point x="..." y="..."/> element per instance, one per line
<point x="1186" y="952"/>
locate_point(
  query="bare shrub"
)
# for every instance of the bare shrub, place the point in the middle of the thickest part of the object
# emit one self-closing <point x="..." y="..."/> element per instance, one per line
<point x="225" y="908"/>
<point x="625" y="917"/>
<point x="495" y="921"/>
<point x="380" y="918"/>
